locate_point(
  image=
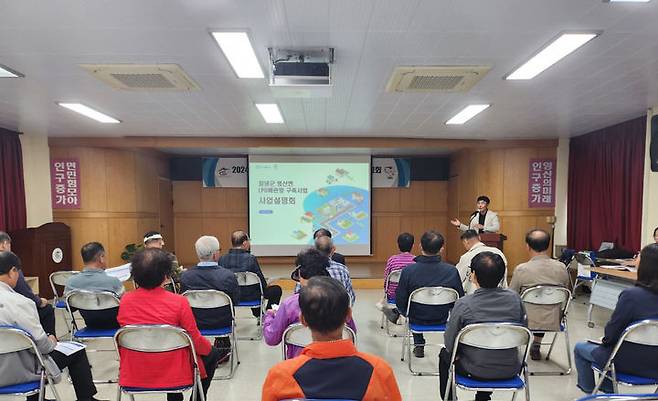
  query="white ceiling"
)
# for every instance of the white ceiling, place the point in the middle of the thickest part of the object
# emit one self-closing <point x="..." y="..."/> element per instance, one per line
<point x="611" y="79"/>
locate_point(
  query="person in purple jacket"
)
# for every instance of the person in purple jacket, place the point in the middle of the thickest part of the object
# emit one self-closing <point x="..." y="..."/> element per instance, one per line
<point x="310" y="263"/>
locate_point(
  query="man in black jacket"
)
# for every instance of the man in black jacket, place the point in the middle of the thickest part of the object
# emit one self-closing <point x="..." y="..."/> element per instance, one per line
<point x="208" y="275"/>
<point x="428" y="271"/>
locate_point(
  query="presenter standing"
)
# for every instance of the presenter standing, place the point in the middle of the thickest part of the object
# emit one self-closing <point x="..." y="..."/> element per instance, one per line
<point x="482" y="219"/>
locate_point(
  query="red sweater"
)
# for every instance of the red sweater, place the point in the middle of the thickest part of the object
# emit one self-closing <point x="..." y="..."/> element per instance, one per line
<point x="169" y="369"/>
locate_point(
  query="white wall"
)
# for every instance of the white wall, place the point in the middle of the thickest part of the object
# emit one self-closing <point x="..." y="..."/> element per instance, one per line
<point x="36" y="174"/>
<point x="561" y="186"/>
<point x="650" y="193"/>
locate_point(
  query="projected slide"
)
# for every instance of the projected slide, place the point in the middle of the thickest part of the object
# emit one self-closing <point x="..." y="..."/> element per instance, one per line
<point x="291" y="197"/>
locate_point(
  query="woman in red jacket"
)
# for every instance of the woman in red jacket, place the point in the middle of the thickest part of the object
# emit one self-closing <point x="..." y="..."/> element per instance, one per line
<point x="152" y="304"/>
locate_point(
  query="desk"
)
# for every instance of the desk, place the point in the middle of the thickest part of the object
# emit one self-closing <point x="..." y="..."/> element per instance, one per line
<point x="606" y="287"/>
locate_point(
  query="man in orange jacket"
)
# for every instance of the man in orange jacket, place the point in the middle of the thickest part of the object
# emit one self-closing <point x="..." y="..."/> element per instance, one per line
<point x="330" y="368"/>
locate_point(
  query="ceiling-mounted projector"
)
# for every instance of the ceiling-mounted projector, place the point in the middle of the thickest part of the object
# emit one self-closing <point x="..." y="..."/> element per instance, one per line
<point x="301" y="67"/>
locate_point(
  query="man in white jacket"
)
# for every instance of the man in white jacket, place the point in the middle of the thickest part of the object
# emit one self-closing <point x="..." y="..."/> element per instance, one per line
<point x="482" y="220"/>
<point x="473" y="246"/>
<point x="21" y="367"/>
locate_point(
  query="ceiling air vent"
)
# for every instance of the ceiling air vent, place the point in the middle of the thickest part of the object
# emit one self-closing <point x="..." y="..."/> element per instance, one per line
<point x="142" y="77"/>
<point x="458" y="78"/>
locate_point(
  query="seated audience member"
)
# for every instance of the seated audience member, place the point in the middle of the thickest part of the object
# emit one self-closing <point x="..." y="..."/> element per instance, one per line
<point x="310" y="263"/>
<point x="153" y="239"/>
<point x="239" y="259"/>
<point x="397" y="263"/>
<point x="208" y="275"/>
<point x="336" y="257"/>
<point x="44" y="309"/>
<point x="489" y="303"/>
<point x="18" y="311"/>
<point x="634" y="304"/>
<point x="540" y="270"/>
<point x="471" y="242"/>
<point x="427" y="271"/>
<point x="93" y="278"/>
<point x="152" y="304"/>
<point x="336" y="270"/>
<point x="330" y="367"/>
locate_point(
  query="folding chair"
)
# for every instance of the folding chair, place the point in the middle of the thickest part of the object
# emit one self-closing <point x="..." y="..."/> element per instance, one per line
<point x="212" y="299"/>
<point x="394" y="277"/>
<point x="620" y="397"/>
<point x="15" y="340"/>
<point x="298" y="335"/>
<point x="246" y="279"/>
<point x="435" y="296"/>
<point x="58" y="280"/>
<point x="157" y="339"/>
<point x="82" y="300"/>
<point x="558" y="297"/>
<point x="582" y="263"/>
<point x="491" y="336"/>
<point x="644" y="332"/>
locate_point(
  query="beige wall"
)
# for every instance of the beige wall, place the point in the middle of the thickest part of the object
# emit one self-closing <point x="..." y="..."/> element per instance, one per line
<point x="650" y="195"/>
<point x="36" y="174"/>
<point x="561" y="189"/>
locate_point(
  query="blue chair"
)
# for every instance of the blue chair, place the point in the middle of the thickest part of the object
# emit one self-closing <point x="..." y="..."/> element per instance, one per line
<point x="644" y="332"/>
<point x="82" y="300"/>
<point x="15" y="340"/>
<point x="559" y="298"/>
<point x="212" y="299"/>
<point x="298" y="335"/>
<point x="394" y="277"/>
<point x="57" y="282"/>
<point x="434" y="296"/>
<point x="620" y="397"/>
<point x="247" y="279"/>
<point x="491" y="336"/>
<point x="157" y="339"/>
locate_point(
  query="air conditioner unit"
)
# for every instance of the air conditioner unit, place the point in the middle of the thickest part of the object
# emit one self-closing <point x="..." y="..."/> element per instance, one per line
<point x="305" y="72"/>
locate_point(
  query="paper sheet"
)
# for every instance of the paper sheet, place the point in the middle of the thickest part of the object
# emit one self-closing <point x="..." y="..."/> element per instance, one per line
<point x="69" y="348"/>
<point x="122" y="272"/>
<point x="584" y="270"/>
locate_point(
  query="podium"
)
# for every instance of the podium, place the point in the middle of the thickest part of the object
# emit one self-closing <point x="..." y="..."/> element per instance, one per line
<point x="43" y="250"/>
<point x="493" y="239"/>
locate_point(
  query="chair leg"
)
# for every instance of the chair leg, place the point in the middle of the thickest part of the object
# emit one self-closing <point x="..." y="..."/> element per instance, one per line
<point x="51" y="384"/>
<point x="404" y="344"/>
<point x="527" y="383"/>
<point x="118" y="393"/>
<point x="382" y="320"/>
<point x="550" y="349"/>
<point x="132" y="396"/>
<point x="568" y="349"/>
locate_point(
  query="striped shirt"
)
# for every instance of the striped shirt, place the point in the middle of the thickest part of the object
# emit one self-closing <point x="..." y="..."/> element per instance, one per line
<point x="395" y="263"/>
<point x="340" y="273"/>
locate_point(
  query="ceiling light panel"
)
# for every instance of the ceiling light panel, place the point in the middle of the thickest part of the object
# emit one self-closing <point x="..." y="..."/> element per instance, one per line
<point x="270" y="112"/>
<point x="467" y="113"/>
<point x="626" y="1"/>
<point x="239" y="52"/>
<point x="555" y="51"/>
<point x="89" y="112"/>
<point x="6" y="72"/>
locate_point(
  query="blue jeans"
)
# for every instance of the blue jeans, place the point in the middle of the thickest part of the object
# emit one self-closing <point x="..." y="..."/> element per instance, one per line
<point x="584" y="359"/>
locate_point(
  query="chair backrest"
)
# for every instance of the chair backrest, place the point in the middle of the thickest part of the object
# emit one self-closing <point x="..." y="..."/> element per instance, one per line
<point x="15" y="339"/>
<point x="153" y="338"/>
<point x="248" y="278"/>
<point x="91" y="300"/>
<point x="432" y="296"/>
<point x="299" y="335"/>
<point x="621" y="397"/>
<point x="494" y="336"/>
<point x="644" y="332"/>
<point x="393" y="277"/>
<point x="547" y="295"/>
<point x="207" y="299"/>
<point x="59" y="279"/>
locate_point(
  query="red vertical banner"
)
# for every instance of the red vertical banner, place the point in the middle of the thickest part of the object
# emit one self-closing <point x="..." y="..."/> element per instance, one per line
<point x="65" y="183"/>
<point x="541" y="183"/>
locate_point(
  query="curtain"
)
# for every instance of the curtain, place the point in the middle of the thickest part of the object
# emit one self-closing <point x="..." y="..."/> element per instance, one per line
<point x="13" y="215"/>
<point x="606" y="174"/>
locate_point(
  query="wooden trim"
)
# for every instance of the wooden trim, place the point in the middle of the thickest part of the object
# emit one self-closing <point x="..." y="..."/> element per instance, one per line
<point x="410" y="213"/>
<point x="102" y="215"/>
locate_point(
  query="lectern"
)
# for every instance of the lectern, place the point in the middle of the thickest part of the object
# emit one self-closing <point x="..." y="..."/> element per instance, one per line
<point x="43" y="250"/>
<point x="493" y="239"/>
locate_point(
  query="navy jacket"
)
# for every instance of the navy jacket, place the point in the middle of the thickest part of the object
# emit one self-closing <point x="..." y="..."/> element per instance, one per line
<point x="634" y="304"/>
<point x="337" y="257"/>
<point x="428" y="271"/>
<point x="239" y="260"/>
<point x="210" y="276"/>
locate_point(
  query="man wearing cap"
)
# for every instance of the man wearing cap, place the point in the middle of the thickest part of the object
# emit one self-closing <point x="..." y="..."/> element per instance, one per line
<point x="482" y="219"/>
<point x="153" y="239"/>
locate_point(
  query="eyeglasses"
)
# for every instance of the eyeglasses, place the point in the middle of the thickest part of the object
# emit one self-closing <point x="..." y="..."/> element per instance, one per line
<point x="295" y="273"/>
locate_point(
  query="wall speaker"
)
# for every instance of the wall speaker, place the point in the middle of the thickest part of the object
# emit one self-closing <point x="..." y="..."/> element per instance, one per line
<point x="653" y="150"/>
